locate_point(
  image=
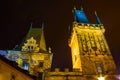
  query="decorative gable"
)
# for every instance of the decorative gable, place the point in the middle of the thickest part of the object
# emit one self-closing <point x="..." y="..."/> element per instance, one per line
<point x="30" y="46"/>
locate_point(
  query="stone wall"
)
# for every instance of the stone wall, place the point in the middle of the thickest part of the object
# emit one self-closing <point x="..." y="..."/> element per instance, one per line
<point x="8" y="72"/>
<point x="62" y="75"/>
<point x="74" y="75"/>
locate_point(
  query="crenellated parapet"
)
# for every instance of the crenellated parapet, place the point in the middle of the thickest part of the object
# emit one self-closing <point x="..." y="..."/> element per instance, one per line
<point x="89" y="26"/>
<point x="63" y="75"/>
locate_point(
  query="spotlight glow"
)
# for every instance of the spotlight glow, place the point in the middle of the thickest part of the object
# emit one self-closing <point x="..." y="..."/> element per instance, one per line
<point x="101" y="78"/>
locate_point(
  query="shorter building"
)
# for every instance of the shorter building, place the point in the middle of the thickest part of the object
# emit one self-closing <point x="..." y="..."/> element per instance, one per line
<point x="10" y="71"/>
<point x="63" y="75"/>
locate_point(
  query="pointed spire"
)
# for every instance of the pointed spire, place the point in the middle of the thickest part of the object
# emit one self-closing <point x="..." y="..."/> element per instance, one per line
<point x="95" y="13"/>
<point x="49" y="50"/>
<point x="81" y="8"/>
<point x="69" y="28"/>
<point x="98" y="19"/>
<point x="42" y="25"/>
<point x="74" y="7"/>
<point x="31" y="24"/>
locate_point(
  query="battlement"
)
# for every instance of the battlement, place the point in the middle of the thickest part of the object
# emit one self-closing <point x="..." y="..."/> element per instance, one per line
<point x="66" y="71"/>
<point x="58" y="70"/>
<point x="88" y="26"/>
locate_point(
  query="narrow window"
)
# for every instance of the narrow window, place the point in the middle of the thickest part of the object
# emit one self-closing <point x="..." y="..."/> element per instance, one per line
<point x="99" y="67"/>
<point x="40" y="64"/>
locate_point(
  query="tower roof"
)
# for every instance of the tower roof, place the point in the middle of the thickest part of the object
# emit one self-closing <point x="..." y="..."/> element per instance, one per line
<point x="80" y="16"/>
<point x="35" y="33"/>
<point x="38" y="35"/>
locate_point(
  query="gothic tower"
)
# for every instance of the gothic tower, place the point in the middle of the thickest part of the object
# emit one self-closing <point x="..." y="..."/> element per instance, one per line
<point x="89" y="49"/>
<point x="34" y="56"/>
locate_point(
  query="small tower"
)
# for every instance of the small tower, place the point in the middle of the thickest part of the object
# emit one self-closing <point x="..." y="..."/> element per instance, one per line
<point x="35" y="57"/>
<point x="89" y="49"/>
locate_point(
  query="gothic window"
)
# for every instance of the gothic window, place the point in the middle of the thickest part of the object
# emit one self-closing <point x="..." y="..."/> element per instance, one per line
<point x="41" y="64"/>
<point x="25" y="65"/>
<point x="28" y="47"/>
<point x="32" y="47"/>
<point x="99" y="67"/>
<point x="40" y="74"/>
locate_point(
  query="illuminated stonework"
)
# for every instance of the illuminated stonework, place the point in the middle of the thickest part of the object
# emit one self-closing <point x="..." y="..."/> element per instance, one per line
<point x="30" y="46"/>
<point x="91" y="56"/>
<point x="35" y="57"/>
<point x="8" y="71"/>
<point x="32" y="54"/>
<point x="89" y="49"/>
<point x="37" y="62"/>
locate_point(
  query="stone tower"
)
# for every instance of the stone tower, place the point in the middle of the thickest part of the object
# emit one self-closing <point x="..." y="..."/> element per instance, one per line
<point x="89" y="49"/>
<point x="34" y="56"/>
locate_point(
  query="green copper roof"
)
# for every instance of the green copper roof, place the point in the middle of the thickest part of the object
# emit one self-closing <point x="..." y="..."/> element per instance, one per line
<point x="35" y="33"/>
<point x="38" y="35"/>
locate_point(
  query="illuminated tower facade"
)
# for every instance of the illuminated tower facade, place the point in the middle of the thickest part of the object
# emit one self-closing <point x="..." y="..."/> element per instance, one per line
<point x="89" y="49"/>
<point x="34" y="54"/>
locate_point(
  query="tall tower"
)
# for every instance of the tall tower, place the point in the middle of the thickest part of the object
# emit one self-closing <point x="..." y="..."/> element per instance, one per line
<point x="89" y="49"/>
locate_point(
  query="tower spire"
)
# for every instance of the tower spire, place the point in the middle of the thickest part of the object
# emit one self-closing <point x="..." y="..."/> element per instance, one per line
<point x="74" y="8"/>
<point x="31" y="24"/>
<point x="98" y="19"/>
<point x="42" y="25"/>
<point x="81" y="8"/>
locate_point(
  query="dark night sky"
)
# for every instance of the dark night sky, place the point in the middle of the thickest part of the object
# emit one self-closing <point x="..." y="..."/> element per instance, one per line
<point x="16" y="16"/>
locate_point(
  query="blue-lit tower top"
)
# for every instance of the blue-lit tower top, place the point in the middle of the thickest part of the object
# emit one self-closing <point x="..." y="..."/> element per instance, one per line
<point x="80" y="17"/>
